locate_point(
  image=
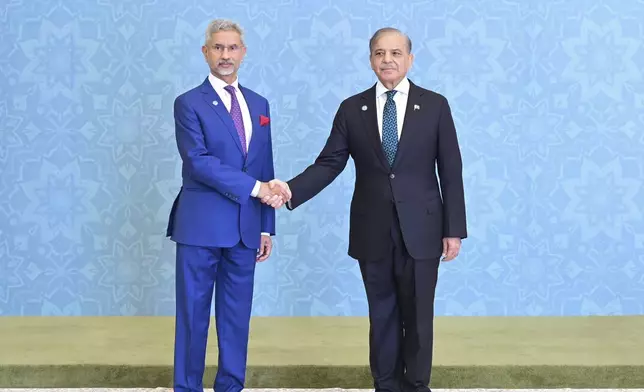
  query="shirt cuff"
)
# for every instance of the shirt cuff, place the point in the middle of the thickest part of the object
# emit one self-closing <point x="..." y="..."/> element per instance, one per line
<point x="268" y="234"/>
<point x="255" y="191"/>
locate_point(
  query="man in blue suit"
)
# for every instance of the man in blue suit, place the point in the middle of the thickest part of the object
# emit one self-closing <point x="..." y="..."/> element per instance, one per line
<point x="218" y="221"/>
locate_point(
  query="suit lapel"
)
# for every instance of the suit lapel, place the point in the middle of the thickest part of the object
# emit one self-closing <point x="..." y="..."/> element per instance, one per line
<point x="370" y="117"/>
<point x="257" y="137"/>
<point x="214" y="101"/>
<point x="410" y="124"/>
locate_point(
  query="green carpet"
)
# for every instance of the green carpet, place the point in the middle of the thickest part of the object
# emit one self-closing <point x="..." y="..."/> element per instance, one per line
<point x="325" y="352"/>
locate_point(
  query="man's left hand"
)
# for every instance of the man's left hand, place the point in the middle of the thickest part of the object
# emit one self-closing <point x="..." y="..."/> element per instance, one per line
<point x="451" y="247"/>
<point x="265" y="247"/>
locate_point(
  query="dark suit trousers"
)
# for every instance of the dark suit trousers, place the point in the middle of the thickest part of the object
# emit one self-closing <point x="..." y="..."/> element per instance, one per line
<point x="400" y="292"/>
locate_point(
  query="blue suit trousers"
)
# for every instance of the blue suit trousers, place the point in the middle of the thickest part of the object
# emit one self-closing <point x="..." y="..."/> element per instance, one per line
<point x="229" y="272"/>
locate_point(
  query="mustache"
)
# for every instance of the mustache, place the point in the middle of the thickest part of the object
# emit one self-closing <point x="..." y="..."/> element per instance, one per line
<point x="225" y="62"/>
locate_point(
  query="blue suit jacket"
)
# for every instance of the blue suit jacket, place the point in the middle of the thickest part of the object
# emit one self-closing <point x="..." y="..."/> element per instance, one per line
<point x="214" y="207"/>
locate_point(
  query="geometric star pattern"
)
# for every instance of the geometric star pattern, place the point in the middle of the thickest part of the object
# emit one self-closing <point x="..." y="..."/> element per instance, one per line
<point x="548" y="101"/>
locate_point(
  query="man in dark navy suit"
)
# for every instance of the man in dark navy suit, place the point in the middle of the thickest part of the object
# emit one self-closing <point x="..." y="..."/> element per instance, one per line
<point x="402" y="219"/>
<point x="218" y="221"/>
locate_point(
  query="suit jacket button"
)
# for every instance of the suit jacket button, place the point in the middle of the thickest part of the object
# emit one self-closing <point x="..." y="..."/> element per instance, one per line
<point x="392" y="176"/>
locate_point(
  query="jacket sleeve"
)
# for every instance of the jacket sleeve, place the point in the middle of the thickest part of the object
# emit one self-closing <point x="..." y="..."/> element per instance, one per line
<point x="268" y="173"/>
<point x="327" y="166"/>
<point x="450" y="172"/>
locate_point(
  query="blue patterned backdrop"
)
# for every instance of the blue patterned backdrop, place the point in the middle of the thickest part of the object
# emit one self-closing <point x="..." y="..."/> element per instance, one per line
<point x="548" y="99"/>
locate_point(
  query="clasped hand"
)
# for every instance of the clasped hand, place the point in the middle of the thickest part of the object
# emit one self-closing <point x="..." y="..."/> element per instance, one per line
<point x="274" y="193"/>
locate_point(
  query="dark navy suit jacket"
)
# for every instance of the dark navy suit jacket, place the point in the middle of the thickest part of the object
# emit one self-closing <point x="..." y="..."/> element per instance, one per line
<point x="408" y="194"/>
<point x="214" y="207"/>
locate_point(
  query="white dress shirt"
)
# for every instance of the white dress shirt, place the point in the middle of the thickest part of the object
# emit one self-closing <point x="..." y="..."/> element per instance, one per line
<point x="400" y="98"/>
<point x="219" y="86"/>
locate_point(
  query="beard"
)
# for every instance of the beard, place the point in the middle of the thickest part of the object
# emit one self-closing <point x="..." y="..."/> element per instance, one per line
<point x="225" y="71"/>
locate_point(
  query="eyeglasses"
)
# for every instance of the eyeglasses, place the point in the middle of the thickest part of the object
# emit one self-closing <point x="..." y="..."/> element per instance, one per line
<point x="222" y="48"/>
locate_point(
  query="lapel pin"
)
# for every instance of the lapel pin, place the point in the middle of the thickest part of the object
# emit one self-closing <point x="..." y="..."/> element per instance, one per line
<point x="364" y="108"/>
<point x="215" y="103"/>
<point x="416" y="107"/>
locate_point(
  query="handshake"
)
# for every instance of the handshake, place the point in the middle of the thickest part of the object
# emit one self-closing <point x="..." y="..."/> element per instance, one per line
<point x="274" y="193"/>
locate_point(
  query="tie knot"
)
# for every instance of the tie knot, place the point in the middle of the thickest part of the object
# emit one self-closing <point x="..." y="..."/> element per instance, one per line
<point x="230" y="89"/>
<point x="390" y="94"/>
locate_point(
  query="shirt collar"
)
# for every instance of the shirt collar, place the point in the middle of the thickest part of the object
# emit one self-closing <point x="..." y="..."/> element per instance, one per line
<point x="402" y="87"/>
<point x="219" y="84"/>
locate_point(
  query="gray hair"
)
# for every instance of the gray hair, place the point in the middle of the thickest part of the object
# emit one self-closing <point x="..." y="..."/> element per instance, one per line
<point x="223" y="25"/>
<point x="384" y="30"/>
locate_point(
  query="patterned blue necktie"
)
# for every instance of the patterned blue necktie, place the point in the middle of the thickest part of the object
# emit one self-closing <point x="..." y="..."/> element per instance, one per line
<point x="390" y="128"/>
<point x="236" y="114"/>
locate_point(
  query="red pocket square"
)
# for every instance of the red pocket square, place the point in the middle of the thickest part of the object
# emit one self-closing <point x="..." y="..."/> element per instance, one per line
<point x="263" y="120"/>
